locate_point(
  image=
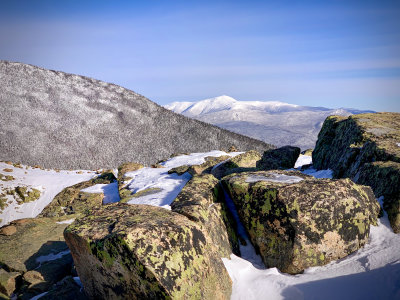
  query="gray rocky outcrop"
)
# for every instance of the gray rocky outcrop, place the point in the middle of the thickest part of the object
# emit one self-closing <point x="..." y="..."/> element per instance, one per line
<point x="296" y="221"/>
<point x="278" y="159"/>
<point x="145" y="252"/>
<point x="240" y="163"/>
<point x="366" y="149"/>
<point x="141" y="251"/>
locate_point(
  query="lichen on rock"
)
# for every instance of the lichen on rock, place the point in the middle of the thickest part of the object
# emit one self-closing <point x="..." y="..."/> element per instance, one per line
<point x="201" y="201"/>
<point x="141" y="251"/>
<point x="280" y="158"/>
<point x="72" y="200"/>
<point x="204" y="168"/>
<point x="364" y="148"/>
<point x="125" y="168"/>
<point x="296" y="225"/>
<point x="240" y="163"/>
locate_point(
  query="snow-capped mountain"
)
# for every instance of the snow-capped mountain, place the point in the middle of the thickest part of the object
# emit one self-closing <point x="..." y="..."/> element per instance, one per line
<point x="274" y="122"/>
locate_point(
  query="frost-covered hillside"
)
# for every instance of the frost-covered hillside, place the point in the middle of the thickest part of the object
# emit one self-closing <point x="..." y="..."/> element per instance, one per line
<point x="62" y="120"/>
<point x="274" y="122"/>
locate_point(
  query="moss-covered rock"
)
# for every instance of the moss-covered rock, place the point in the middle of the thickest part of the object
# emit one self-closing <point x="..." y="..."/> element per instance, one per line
<point x="125" y="168"/>
<point x="6" y="177"/>
<point x="72" y="200"/>
<point x="204" y="168"/>
<point x="364" y="148"/>
<point x="281" y="158"/>
<point x="307" y="152"/>
<point x="207" y="166"/>
<point x="243" y="162"/>
<point x="201" y="202"/>
<point x="384" y="179"/>
<point x="180" y="170"/>
<point x="26" y="194"/>
<point x="3" y="202"/>
<point x="145" y="252"/>
<point x="232" y="149"/>
<point x="128" y="195"/>
<point x="296" y="221"/>
<point x="8" y="281"/>
<point x="24" y="246"/>
<point x="30" y="239"/>
<point x="124" y="193"/>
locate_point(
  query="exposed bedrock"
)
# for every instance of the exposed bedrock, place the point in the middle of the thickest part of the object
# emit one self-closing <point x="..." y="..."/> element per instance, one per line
<point x="281" y="158"/>
<point x="296" y="221"/>
<point x="365" y="148"/>
<point x="141" y="251"/>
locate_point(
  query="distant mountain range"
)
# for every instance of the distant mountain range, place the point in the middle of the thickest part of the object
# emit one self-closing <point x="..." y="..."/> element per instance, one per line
<point x="60" y="120"/>
<point x="274" y="122"/>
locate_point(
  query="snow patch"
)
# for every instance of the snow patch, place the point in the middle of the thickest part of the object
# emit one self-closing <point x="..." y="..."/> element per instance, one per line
<point x="169" y="184"/>
<point x="303" y="160"/>
<point x="49" y="182"/>
<point x="70" y="221"/>
<point x="275" y="177"/>
<point x="38" y="296"/>
<point x="319" y="174"/>
<point x="78" y="281"/>
<point x="398" y="144"/>
<point x="51" y="256"/>
<point x="109" y="190"/>
<point x="375" y="268"/>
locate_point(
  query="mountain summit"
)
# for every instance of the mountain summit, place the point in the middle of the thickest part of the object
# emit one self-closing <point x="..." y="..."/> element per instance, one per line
<point x="274" y="122"/>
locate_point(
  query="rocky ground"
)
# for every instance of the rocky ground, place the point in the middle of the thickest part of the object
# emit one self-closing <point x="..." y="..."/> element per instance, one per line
<point x="215" y="225"/>
<point x="366" y="149"/>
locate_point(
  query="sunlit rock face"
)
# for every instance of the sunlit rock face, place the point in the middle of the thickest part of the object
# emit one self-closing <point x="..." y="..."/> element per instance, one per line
<point x="296" y="221"/>
<point x="366" y="149"/>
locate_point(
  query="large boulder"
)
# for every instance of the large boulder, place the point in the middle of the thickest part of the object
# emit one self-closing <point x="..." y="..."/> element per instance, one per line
<point x="201" y="200"/>
<point x="8" y="282"/>
<point x="72" y="200"/>
<point x="281" y="158"/>
<point x="296" y="221"/>
<point x="240" y="163"/>
<point x="145" y="252"/>
<point x="366" y="149"/>
<point x="384" y="179"/>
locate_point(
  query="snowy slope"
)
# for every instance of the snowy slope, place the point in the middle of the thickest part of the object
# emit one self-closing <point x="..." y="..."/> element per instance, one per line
<point x="373" y="272"/>
<point x="274" y="122"/>
<point x="67" y="121"/>
<point x="48" y="182"/>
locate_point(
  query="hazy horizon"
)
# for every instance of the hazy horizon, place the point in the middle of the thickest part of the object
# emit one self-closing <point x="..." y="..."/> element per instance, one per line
<point x="306" y="53"/>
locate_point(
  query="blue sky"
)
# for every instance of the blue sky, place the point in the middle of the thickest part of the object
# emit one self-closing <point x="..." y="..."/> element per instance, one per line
<point x="317" y="53"/>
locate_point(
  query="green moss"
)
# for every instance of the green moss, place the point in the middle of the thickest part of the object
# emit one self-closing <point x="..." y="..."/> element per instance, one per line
<point x="6" y="177"/>
<point x="146" y="192"/>
<point x="3" y="203"/>
<point x="125" y="195"/>
<point x="25" y="195"/>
